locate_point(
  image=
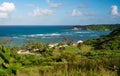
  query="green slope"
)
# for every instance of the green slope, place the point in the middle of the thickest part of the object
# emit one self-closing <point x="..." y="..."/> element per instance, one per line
<point x="109" y="42"/>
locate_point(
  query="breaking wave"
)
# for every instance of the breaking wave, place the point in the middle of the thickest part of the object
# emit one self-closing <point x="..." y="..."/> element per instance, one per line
<point x="83" y="32"/>
<point x="42" y="35"/>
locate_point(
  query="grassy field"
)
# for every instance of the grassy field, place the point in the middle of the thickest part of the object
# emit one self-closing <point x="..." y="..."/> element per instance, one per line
<point x="76" y="62"/>
<point x="70" y="60"/>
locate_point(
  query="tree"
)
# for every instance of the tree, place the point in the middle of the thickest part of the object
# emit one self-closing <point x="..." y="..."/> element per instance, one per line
<point x="67" y="41"/>
<point x="79" y="45"/>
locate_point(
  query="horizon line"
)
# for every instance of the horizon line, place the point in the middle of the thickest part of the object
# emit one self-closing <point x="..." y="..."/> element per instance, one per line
<point x="56" y="24"/>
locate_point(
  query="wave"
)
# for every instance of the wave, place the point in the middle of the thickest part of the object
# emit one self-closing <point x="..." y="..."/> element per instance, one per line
<point x="15" y="37"/>
<point x="83" y="32"/>
<point x="94" y="35"/>
<point x="42" y="35"/>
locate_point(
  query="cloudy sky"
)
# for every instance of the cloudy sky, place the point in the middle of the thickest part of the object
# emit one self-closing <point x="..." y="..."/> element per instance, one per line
<point x="59" y="12"/>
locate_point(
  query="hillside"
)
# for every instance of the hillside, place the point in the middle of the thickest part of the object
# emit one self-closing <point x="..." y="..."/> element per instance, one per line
<point x="105" y="27"/>
<point x="109" y="42"/>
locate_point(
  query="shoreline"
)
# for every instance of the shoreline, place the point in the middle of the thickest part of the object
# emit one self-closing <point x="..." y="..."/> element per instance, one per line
<point x="51" y="45"/>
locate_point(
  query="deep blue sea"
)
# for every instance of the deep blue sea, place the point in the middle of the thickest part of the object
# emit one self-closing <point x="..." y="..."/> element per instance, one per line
<point x="47" y="34"/>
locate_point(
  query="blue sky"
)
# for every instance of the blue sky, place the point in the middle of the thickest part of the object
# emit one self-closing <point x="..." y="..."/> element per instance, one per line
<point x="59" y="12"/>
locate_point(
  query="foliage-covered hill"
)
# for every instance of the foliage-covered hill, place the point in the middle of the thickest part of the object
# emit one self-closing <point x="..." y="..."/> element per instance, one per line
<point x="98" y="27"/>
<point x="109" y="42"/>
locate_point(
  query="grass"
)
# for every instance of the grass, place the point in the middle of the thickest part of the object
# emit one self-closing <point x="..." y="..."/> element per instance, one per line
<point x="79" y="62"/>
<point x="62" y="71"/>
<point x="71" y="61"/>
<point x="71" y="49"/>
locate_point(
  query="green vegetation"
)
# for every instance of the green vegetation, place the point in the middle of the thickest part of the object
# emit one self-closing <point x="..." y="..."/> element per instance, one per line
<point x="83" y="59"/>
<point x="105" y="27"/>
<point x="109" y="42"/>
<point x="8" y="64"/>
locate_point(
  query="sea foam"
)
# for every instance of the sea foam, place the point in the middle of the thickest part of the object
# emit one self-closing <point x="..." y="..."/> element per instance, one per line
<point x="83" y="32"/>
<point x="42" y="35"/>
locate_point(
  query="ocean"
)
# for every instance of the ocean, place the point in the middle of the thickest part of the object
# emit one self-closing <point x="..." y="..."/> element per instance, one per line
<point x="46" y="34"/>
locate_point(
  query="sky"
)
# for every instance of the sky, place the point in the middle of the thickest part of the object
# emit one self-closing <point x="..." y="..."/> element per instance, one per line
<point x="59" y="12"/>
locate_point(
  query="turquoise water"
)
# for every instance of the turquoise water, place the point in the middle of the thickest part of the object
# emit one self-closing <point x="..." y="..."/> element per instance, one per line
<point x="20" y="34"/>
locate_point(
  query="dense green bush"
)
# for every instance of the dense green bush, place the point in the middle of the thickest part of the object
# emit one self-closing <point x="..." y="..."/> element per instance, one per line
<point x="7" y="63"/>
<point x="109" y="42"/>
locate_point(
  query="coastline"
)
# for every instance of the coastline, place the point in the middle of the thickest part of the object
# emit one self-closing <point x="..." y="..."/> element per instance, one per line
<point x="50" y="45"/>
<point x="105" y="27"/>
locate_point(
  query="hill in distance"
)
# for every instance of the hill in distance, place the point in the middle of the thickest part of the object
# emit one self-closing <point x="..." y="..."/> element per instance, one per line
<point x="105" y="27"/>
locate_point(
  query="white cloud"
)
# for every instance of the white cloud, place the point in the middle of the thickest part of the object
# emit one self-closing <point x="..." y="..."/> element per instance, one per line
<point x="114" y="11"/>
<point x="54" y="5"/>
<point x="41" y="12"/>
<point x="76" y="12"/>
<point x="6" y="8"/>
